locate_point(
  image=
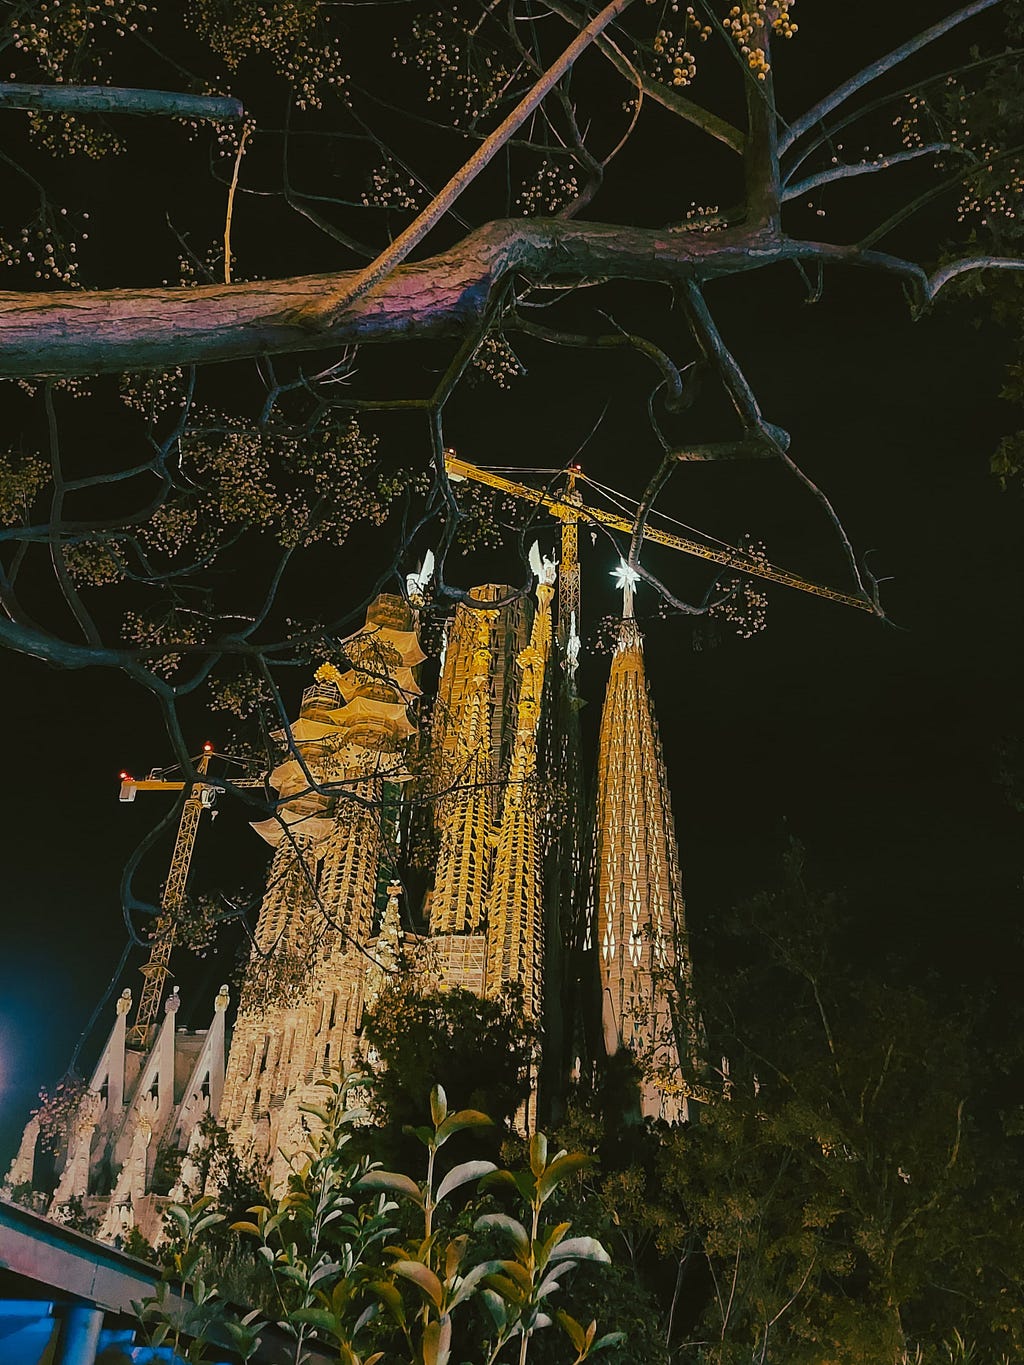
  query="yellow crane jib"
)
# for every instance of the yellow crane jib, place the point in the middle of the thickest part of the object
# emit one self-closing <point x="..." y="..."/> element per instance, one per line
<point x="567" y="510"/>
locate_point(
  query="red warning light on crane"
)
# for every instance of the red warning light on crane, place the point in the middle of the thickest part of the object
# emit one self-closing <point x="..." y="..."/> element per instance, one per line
<point x="207" y="748"/>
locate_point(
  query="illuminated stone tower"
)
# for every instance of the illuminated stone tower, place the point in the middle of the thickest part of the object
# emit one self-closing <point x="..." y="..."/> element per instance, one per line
<point x="639" y="928"/>
<point x="515" y="905"/>
<point x="471" y="732"/>
<point x="301" y="1007"/>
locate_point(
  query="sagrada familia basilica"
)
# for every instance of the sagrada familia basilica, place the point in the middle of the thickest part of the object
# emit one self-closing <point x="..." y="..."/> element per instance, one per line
<point x="581" y="909"/>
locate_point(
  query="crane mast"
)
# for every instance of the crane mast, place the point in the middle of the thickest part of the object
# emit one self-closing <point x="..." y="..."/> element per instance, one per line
<point x="201" y="796"/>
<point x="568" y="508"/>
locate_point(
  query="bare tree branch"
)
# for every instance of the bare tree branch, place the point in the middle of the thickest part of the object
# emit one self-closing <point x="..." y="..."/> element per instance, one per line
<point x="848" y="172"/>
<point x="878" y="68"/>
<point x="716" y="127"/>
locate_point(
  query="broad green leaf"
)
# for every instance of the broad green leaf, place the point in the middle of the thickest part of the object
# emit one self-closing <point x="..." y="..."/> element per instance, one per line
<point x="506" y="1288"/>
<point x="390" y="1298"/>
<point x="208" y="1221"/>
<point x="179" y="1214"/>
<point x="462" y="1118"/>
<point x="393" y="1181"/>
<point x="366" y="1316"/>
<point x="438" y="1105"/>
<point x="453" y="1257"/>
<point x="437" y="1342"/>
<point x="544" y="1250"/>
<point x="495" y="1305"/>
<point x="470" y="1282"/>
<point x="249" y="1228"/>
<point x="316" y="1111"/>
<point x="323" y="1271"/>
<point x="550" y="1282"/>
<point x="462" y="1175"/>
<point x="354" y="1116"/>
<point x="538" y="1153"/>
<point x="568" y="1163"/>
<point x="318" y="1318"/>
<point x="581" y="1249"/>
<point x="520" y="1181"/>
<point x="572" y="1330"/>
<point x="518" y="1273"/>
<point x="511" y="1227"/>
<point x="609" y="1339"/>
<point x="421" y="1276"/>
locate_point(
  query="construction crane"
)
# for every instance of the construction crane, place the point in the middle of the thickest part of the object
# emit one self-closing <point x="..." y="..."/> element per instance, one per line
<point x="568" y="508"/>
<point x="201" y="796"/>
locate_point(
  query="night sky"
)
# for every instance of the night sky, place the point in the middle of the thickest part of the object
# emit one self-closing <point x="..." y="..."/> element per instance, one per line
<point x="877" y="746"/>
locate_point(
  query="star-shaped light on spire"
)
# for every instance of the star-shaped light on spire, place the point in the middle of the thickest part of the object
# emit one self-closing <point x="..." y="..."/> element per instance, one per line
<point x="626" y="577"/>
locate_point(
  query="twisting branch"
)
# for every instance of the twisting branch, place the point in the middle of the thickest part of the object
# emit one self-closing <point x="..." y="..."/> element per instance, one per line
<point x="717" y="353"/>
<point x="713" y="348"/>
<point x="878" y="68"/>
<point x="671" y="377"/>
<point x="945" y="273"/>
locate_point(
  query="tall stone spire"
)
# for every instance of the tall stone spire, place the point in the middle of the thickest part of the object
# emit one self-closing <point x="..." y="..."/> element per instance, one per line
<point x="470" y="737"/>
<point x="647" y="1001"/>
<point x="466" y="773"/>
<point x="515" y="934"/>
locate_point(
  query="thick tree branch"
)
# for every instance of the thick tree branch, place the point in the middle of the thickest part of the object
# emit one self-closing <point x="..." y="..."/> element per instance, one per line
<point x="40" y="644"/>
<point x="111" y="331"/>
<point x="761" y="153"/>
<point x="113" y="99"/>
<point x="875" y="69"/>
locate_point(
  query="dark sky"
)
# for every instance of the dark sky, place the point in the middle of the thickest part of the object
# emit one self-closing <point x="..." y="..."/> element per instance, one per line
<point x="877" y="746"/>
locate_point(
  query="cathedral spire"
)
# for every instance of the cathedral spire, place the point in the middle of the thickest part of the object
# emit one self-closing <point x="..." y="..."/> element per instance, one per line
<point x="515" y="937"/>
<point x="640" y="930"/>
<point x="468" y="769"/>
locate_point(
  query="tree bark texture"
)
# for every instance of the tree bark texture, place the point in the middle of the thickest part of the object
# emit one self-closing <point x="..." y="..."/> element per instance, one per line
<point x="113" y="99"/>
<point x="109" y="331"/>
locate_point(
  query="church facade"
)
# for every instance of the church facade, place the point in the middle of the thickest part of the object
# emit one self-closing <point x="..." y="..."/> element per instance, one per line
<point x="581" y="910"/>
